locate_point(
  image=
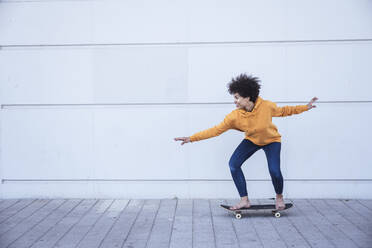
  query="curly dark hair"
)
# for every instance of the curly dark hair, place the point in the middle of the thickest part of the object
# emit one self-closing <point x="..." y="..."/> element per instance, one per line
<point x="245" y="86"/>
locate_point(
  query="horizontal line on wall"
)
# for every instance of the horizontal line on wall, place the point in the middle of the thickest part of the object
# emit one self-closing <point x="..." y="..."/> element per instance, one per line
<point x="186" y="180"/>
<point x="191" y="43"/>
<point x="9" y="106"/>
<point x="43" y="1"/>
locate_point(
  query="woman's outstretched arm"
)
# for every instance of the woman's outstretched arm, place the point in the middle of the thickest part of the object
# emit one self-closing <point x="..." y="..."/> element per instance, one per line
<point x="225" y="125"/>
<point x="290" y="110"/>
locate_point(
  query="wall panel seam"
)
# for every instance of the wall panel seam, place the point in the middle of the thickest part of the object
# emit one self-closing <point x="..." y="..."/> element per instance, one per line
<point x="14" y="106"/>
<point x="185" y="43"/>
<point x="189" y="180"/>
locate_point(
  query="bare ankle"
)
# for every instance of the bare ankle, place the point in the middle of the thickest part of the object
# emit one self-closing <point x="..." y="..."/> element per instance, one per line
<point x="279" y="196"/>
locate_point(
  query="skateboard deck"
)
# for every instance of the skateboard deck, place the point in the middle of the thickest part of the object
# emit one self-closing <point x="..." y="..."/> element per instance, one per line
<point x="276" y="212"/>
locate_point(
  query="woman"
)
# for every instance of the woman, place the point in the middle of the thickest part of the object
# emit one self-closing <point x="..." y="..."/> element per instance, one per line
<point x="254" y="117"/>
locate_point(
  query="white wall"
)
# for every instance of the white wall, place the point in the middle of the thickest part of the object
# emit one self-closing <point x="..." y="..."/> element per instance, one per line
<point x="93" y="92"/>
<point x="1" y="147"/>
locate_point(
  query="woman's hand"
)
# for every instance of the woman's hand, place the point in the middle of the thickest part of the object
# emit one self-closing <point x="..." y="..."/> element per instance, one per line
<point x="310" y="104"/>
<point x="183" y="139"/>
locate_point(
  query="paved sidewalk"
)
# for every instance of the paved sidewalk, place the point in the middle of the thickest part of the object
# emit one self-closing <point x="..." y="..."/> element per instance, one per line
<point x="90" y="223"/>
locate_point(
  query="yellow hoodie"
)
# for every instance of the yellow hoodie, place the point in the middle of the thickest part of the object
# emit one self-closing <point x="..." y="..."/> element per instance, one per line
<point x="257" y="124"/>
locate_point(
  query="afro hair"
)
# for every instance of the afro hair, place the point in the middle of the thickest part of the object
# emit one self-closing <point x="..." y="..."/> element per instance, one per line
<point x="245" y="86"/>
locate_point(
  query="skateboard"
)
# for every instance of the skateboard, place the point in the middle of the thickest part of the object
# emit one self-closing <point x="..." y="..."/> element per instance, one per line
<point x="276" y="213"/>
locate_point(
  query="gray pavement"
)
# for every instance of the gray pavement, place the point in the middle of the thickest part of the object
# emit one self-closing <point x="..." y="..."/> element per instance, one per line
<point x="178" y="223"/>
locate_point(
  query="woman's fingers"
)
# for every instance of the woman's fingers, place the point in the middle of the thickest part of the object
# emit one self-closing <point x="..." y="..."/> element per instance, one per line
<point x="183" y="139"/>
<point x="310" y="104"/>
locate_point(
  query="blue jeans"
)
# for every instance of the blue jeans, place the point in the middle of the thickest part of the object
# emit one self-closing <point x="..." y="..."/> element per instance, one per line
<point x="246" y="149"/>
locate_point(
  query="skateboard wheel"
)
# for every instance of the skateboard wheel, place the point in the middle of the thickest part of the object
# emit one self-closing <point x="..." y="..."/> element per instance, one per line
<point x="238" y="216"/>
<point x="277" y="214"/>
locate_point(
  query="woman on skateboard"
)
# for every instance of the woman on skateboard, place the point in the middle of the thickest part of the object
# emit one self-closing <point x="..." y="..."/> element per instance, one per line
<point x="253" y="115"/>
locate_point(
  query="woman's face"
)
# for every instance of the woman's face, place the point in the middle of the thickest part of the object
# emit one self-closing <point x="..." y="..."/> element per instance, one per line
<point x="241" y="102"/>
